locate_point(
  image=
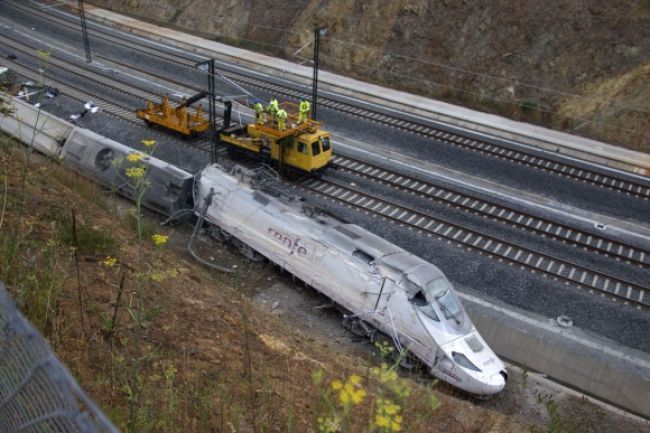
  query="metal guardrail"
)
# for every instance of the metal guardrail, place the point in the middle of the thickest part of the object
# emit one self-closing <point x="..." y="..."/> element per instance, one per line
<point x="37" y="393"/>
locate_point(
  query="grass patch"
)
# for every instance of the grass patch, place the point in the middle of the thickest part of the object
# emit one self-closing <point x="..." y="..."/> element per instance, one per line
<point x="89" y="240"/>
<point x="71" y="179"/>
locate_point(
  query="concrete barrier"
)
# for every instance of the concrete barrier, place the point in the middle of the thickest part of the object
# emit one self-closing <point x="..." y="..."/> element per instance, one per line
<point x="39" y="129"/>
<point x="599" y="368"/>
<point x="169" y="188"/>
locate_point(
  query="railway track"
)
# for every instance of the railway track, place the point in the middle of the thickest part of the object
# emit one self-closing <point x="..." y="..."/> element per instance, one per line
<point x="434" y="226"/>
<point x="85" y="73"/>
<point x="77" y="91"/>
<point x="534" y="160"/>
<point x="547" y="265"/>
<point x="593" y="242"/>
<point x="116" y="110"/>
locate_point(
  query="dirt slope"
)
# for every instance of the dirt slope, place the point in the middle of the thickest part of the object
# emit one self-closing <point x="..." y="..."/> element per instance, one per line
<point x="519" y="59"/>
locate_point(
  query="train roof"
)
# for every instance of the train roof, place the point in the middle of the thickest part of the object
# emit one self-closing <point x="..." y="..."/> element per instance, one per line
<point x="391" y="260"/>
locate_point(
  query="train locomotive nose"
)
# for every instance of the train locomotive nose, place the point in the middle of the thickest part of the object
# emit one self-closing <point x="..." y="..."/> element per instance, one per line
<point x="494" y="384"/>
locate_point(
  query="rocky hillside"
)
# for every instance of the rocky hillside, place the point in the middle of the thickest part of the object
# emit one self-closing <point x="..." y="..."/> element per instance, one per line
<point x="582" y="66"/>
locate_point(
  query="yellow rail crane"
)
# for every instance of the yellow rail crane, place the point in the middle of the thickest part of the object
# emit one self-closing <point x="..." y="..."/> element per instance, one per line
<point x="180" y="118"/>
<point x="297" y="142"/>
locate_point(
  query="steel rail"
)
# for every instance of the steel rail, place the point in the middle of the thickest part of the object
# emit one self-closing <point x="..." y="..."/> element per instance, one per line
<point x="594" y="242"/>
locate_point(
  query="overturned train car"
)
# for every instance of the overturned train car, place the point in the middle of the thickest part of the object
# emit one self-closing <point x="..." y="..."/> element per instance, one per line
<point x="381" y="284"/>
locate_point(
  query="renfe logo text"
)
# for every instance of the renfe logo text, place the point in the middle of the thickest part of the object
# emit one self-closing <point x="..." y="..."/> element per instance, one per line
<point x="292" y="245"/>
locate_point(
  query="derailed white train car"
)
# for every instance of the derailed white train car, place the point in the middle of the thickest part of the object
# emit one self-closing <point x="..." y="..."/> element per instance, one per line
<point x="383" y="285"/>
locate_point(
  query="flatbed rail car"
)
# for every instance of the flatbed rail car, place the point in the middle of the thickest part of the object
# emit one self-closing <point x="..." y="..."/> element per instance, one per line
<point x="181" y="118"/>
<point x="300" y="145"/>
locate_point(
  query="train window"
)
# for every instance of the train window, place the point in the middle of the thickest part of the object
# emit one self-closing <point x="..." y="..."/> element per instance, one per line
<point x="462" y="360"/>
<point x="315" y="148"/>
<point x="363" y="256"/>
<point x="325" y="143"/>
<point x="448" y="305"/>
<point x="420" y="301"/>
<point x="302" y="148"/>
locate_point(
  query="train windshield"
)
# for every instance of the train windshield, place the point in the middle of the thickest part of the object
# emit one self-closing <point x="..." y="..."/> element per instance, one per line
<point x="325" y="143"/>
<point x="440" y="291"/>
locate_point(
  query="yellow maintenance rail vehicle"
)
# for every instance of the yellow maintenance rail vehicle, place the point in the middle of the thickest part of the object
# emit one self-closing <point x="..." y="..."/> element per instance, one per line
<point x="281" y="134"/>
<point x="181" y="118"/>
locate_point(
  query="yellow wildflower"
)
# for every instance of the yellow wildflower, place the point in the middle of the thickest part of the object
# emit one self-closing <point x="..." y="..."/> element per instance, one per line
<point x="109" y="261"/>
<point x="351" y="391"/>
<point x="134" y="157"/>
<point x="170" y="372"/>
<point x="391" y="408"/>
<point x="149" y="143"/>
<point x="358" y="396"/>
<point x="388" y="418"/>
<point x="158" y="276"/>
<point x="396" y="424"/>
<point x="329" y="424"/>
<point x="135" y="172"/>
<point x="385" y="374"/>
<point x="160" y="240"/>
<point x="382" y="421"/>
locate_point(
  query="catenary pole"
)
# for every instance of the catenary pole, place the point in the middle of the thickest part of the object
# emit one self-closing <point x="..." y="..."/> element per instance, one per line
<point x="314" y="87"/>
<point x="211" y="108"/>
<point x="84" y="31"/>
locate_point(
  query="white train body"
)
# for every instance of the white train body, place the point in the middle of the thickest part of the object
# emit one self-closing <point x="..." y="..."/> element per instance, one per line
<point x="387" y="287"/>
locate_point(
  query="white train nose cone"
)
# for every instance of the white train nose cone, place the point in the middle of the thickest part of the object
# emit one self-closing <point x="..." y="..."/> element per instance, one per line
<point x="493" y="384"/>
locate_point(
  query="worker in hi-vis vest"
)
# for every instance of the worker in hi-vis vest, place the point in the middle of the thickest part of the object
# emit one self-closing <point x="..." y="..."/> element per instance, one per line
<point x="305" y="106"/>
<point x="260" y="114"/>
<point x="282" y="119"/>
<point x="273" y="107"/>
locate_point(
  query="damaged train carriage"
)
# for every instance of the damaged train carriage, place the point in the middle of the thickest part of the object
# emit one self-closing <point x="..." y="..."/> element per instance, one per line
<point x="381" y="284"/>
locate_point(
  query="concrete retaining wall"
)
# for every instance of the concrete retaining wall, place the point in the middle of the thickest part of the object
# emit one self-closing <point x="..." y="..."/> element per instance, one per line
<point x="617" y="375"/>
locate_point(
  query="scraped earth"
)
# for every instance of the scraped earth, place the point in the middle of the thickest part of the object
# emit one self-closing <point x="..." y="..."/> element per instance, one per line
<point x="253" y="335"/>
